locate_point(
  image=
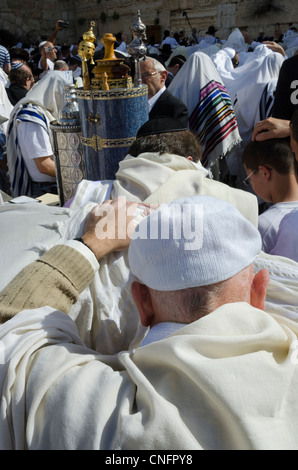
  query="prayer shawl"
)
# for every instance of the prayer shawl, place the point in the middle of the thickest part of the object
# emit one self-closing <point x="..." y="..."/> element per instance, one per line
<point x="19" y="176"/>
<point x="267" y="99"/>
<point x="211" y="114"/>
<point x="236" y="41"/>
<point x="3" y="77"/>
<point x="291" y="51"/>
<point x="41" y="105"/>
<point x="5" y="105"/>
<point x="251" y="86"/>
<point x="224" y="66"/>
<point x="259" y="68"/>
<point x="105" y="313"/>
<point x="181" y="50"/>
<point x="209" y="50"/>
<point x="290" y="39"/>
<point x="251" y="80"/>
<point x="225" y="382"/>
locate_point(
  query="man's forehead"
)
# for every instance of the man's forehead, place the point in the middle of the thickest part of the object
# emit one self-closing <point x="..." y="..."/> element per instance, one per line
<point x="146" y="63"/>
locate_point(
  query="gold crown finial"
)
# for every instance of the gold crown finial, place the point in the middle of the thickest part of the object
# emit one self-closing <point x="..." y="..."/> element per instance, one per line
<point x="86" y="51"/>
<point x="89" y="35"/>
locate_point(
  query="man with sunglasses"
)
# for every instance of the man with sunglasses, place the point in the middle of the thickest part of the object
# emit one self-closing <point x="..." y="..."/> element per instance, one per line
<point x="48" y="56"/>
<point x="160" y="101"/>
<point x="48" y="50"/>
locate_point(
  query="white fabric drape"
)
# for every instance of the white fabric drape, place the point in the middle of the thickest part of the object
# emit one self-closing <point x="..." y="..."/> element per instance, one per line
<point x="225" y="382"/>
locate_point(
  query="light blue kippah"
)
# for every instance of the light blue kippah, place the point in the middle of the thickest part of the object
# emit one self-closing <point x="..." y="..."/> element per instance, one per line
<point x="192" y="242"/>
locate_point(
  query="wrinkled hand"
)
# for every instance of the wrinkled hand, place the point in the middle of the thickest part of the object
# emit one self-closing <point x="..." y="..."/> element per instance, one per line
<point x="271" y="128"/>
<point x="109" y="226"/>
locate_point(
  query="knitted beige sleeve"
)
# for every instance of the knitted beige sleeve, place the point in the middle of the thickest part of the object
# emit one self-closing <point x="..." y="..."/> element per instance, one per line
<point x="56" y="279"/>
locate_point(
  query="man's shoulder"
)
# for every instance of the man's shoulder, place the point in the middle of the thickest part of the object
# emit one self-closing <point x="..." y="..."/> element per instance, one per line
<point x="167" y="96"/>
<point x="167" y="104"/>
<point x="172" y="100"/>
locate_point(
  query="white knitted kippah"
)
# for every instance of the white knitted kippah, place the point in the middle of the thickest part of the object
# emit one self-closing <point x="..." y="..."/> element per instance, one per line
<point x="192" y="242"/>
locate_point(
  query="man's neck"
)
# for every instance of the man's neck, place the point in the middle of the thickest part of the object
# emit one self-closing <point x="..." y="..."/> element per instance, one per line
<point x="160" y="331"/>
<point x="286" y="190"/>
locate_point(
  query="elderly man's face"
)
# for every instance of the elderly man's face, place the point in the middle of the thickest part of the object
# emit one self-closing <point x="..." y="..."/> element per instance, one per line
<point x="154" y="80"/>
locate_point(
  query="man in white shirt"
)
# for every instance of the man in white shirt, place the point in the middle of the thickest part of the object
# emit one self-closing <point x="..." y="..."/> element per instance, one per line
<point x="29" y="147"/>
<point x="37" y="152"/>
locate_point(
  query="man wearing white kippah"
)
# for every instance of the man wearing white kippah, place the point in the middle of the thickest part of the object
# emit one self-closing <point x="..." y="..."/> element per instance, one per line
<point x="48" y="51"/>
<point x="192" y="272"/>
<point x="221" y="374"/>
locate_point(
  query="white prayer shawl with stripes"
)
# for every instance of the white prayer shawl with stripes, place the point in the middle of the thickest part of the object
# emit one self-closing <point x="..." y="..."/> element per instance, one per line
<point x="19" y="176"/>
<point x="41" y="105"/>
<point x="211" y="115"/>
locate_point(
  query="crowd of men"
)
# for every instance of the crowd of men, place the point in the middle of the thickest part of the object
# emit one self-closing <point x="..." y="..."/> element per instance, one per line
<point x="157" y="311"/>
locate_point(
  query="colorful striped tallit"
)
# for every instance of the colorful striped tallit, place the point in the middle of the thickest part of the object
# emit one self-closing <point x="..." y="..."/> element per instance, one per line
<point x="213" y="118"/>
<point x="211" y="114"/>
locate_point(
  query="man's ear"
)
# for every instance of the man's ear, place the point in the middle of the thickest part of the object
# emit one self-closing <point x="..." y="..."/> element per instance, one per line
<point x="259" y="288"/>
<point x="164" y="75"/>
<point x="142" y="298"/>
<point x="265" y="171"/>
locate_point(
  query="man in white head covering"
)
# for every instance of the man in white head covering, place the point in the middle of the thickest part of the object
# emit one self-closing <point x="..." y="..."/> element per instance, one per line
<point x="48" y="54"/>
<point x="211" y="115"/>
<point x="48" y="51"/>
<point x="29" y="147"/>
<point x="186" y="234"/>
<point x="215" y="372"/>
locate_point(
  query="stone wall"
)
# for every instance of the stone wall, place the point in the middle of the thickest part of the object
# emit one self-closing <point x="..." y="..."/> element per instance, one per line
<point x="35" y="19"/>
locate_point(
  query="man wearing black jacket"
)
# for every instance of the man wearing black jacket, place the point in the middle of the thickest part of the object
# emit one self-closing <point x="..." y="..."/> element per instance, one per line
<point x="160" y="101"/>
